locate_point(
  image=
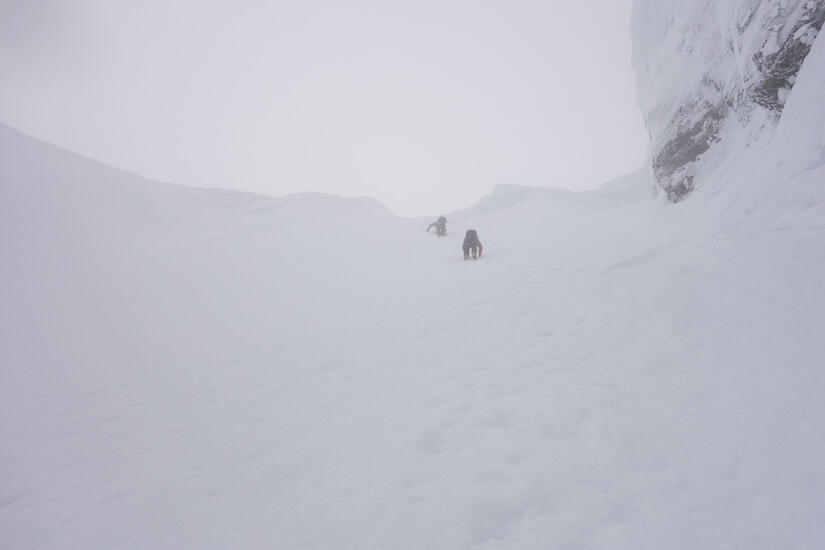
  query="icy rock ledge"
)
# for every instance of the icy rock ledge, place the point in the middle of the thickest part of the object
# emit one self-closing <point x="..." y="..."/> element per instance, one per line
<point x="703" y="65"/>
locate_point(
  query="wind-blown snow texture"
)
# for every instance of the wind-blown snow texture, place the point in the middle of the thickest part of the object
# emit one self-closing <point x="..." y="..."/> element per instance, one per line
<point x="190" y="368"/>
<point x="705" y="65"/>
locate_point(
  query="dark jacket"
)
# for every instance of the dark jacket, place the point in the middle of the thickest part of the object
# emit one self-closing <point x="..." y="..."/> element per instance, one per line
<point x="471" y="239"/>
<point x="440" y="225"/>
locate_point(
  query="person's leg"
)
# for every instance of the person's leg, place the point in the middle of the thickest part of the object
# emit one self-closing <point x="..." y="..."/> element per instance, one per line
<point x="466" y="249"/>
<point x="475" y="252"/>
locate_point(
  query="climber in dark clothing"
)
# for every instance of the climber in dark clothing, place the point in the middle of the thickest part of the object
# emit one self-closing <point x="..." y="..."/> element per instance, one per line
<point x="471" y="242"/>
<point x="440" y="226"/>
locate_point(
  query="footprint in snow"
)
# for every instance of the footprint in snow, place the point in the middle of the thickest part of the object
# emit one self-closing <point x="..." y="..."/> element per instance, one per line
<point x="496" y="419"/>
<point x="432" y="442"/>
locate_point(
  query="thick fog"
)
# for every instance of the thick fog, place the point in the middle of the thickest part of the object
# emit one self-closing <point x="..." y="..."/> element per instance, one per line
<point x="637" y="366"/>
<point x="425" y="106"/>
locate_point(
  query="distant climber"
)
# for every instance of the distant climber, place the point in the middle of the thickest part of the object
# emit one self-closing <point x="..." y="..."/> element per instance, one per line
<point x="471" y="243"/>
<point x="440" y="226"/>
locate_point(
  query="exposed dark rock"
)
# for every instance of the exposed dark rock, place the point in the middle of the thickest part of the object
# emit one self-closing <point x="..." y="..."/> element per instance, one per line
<point x="706" y="63"/>
<point x="778" y="70"/>
<point x="689" y="143"/>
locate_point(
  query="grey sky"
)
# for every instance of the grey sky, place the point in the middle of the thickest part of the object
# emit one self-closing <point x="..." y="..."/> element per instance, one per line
<point x="423" y="105"/>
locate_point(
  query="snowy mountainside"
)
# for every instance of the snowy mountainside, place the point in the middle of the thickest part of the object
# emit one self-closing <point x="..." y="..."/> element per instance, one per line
<point x="92" y="242"/>
<point x="206" y="368"/>
<point x="629" y="188"/>
<point x="197" y="368"/>
<point x="712" y="74"/>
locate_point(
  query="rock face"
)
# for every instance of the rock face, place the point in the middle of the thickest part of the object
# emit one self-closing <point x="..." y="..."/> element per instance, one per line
<point x="702" y="65"/>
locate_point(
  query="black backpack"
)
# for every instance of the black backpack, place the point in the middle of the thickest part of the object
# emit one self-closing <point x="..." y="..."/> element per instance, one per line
<point x="471" y="235"/>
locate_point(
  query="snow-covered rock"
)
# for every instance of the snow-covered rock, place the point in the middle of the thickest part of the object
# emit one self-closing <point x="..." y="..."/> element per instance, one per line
<point x="710" y="73"/>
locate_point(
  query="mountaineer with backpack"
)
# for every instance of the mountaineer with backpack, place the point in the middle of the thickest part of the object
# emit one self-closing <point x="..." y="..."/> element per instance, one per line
<point x="440" y="226"/>
<point x="471" y="242"/>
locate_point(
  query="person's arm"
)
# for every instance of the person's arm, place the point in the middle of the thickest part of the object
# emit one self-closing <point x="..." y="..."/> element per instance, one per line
<point x="480" y="248"/>
<point x="430" y="227"/>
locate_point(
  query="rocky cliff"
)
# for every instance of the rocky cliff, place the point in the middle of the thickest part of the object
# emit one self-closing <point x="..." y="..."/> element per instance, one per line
<point x="708" y="69"/>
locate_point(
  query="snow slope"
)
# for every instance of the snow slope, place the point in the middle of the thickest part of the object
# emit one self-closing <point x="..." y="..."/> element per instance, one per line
<point x="191" y="368"/>
<point x="186" y="368"/>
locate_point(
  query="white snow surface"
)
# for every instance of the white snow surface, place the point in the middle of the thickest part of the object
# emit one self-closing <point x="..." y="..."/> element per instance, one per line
<point x="185" y="368"/>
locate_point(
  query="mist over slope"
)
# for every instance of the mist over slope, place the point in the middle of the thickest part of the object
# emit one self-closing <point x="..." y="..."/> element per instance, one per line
<point x="212" y="369"/>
